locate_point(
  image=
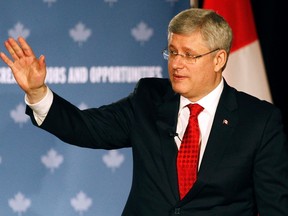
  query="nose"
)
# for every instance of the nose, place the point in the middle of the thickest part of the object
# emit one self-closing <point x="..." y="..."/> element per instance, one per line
<point x="178" y="61"/>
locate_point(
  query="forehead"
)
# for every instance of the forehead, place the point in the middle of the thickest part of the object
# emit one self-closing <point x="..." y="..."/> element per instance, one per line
<point x="187" y="41"/>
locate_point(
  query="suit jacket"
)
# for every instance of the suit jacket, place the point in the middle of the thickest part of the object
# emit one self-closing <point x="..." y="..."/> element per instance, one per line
<point x="244" y="169"/>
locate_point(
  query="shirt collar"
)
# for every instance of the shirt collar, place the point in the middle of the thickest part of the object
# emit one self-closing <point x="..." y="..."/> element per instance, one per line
<point x="209" y="102"/>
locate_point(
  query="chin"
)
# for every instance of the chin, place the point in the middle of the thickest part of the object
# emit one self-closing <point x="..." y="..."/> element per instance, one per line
<point x="178" y="89"/>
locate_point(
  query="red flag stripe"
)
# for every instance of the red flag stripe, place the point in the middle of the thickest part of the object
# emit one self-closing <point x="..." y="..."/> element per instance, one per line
<point x="244" y="28"/>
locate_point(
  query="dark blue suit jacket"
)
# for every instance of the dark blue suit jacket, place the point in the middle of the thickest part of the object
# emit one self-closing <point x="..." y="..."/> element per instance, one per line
<point x="244" y="168"/>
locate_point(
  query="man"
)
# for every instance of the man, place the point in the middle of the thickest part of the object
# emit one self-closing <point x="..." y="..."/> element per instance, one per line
<point x="243" y="161"/>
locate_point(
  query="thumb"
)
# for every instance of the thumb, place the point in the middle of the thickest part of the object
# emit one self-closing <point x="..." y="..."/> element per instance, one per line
<point x="42" y="61"/>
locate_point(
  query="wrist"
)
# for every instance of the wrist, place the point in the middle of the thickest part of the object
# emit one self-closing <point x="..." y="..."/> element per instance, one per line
<point x="36" y="95"/>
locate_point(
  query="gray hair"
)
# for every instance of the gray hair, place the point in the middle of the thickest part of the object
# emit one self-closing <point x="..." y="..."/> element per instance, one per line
<point x="214" y="29"/>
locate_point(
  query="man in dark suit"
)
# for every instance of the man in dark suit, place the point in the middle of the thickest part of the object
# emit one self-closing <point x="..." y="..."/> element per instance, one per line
<point x="243" y="156"/>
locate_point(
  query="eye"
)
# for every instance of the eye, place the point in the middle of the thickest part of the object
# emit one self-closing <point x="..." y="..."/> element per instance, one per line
<point x="173" y="52"/>
<point x="189" y="55"/>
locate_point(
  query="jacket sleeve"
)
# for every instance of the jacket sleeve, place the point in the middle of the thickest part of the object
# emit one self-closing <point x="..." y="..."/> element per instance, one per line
<point x="106" y="127"/>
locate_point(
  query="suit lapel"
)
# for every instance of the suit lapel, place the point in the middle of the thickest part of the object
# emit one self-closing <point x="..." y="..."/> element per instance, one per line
<point x="167" y="114"/>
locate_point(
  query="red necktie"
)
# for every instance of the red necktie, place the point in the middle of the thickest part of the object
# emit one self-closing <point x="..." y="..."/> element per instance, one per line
<point x="188" y="154"/>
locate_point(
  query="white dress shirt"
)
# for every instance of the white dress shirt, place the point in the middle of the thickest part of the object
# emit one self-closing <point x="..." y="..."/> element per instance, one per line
<point x="41" y="108"/>
<point x="205" y="118"/>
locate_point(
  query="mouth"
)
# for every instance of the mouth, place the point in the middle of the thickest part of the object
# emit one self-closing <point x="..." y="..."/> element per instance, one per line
<point x="178" y="77"/>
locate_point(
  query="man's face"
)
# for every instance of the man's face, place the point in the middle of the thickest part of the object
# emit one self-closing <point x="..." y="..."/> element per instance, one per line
<point x="194" y="78"/>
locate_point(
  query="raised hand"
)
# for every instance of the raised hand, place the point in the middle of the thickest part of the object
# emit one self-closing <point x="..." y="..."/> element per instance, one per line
<point x="28" y="70"/>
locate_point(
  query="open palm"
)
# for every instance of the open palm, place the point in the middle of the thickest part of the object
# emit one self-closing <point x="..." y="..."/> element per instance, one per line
<point x="29" y="71"/>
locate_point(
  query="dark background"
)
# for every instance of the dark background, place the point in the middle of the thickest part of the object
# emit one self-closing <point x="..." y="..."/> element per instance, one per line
<point x="270" y="26"/>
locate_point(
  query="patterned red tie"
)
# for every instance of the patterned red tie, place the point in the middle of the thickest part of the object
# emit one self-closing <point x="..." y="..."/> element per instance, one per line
<point x="188" y="154"/>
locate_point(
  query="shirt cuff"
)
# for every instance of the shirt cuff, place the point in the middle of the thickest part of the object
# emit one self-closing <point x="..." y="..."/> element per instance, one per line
<point x="41" y="108"/>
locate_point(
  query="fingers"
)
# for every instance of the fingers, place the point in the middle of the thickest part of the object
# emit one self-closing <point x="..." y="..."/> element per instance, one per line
<point x="42" y="61"/>
<point x="6" y="59"/>
<point x="13" y="48"/>
<point x="25" y="47"/>
<point x="18" y="49"/>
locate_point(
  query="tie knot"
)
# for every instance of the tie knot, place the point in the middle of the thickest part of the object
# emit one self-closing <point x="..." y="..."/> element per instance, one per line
<point x="195" y="109"/>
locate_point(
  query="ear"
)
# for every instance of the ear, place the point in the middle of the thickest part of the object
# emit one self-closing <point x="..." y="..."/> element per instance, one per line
<point x="220" y="60"/>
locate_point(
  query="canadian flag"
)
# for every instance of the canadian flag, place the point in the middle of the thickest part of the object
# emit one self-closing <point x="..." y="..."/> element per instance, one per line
<point x="245" y="68"/>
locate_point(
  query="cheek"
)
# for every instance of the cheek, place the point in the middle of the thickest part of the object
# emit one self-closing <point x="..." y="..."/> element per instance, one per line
<point x="169" y="66"/>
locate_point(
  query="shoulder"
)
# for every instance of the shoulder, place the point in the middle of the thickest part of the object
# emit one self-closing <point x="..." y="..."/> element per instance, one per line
<point x="250" y="105"/>
<point x="245" y="99"/>
<point x="251" y="102"/>
<point x="153" y="85"/>
<point x="153" y="82"/>
<point x="153" y="90"/>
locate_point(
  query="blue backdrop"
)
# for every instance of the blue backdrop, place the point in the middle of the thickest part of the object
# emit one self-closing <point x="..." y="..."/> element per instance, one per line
<point x="96" y="50"/>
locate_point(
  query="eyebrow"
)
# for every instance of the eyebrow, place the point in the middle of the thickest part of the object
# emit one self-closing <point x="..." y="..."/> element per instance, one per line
<point x="186" y="49"/>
